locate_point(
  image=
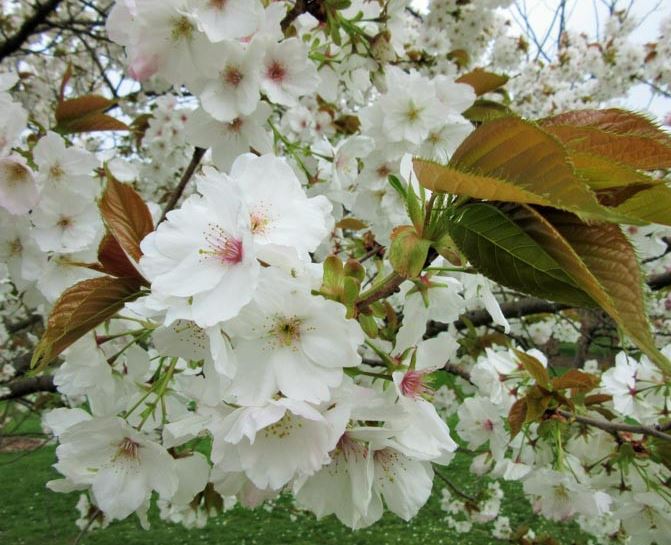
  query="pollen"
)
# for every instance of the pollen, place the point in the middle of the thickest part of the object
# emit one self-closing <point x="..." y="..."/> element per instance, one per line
<point x="64" y="222"/>
<point x="287" y="330"/>
<point x="56" y="172"/>
<point x="232" y="76"/>
<point x="259" y="219"/>
<point x="128" y="449"/>
<point x="276" y="72"/>
<point x="182" y="28"/>
<point x="282" y="428"/>
<point x="227" y="249"/>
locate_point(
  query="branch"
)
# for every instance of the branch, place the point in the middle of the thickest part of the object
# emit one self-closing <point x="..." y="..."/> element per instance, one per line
<point x="188" y="173"/>
<point x="27" y="28"/>
<point x="614" y="427"/>
<point x="526" y="307"/>
<point x="27" y="386"/>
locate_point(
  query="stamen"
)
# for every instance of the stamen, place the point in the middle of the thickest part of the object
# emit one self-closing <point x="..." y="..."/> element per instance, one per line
<point x="224" y="247"/>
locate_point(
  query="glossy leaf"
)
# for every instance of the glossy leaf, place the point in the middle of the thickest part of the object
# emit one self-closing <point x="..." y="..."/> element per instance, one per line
<point x="80" y="309"/>
<point x="636" y="151"/>
<point x="611" y="259"/>
<point x="483" y="81"/>
<point x="500" y="249"/>
<point x="574" y="379"/>
<point x="114" y="261"/>
<point x="534" y="367"/>
<point x="651" y="205"/>
<point x="517" y="416"/>
<point x="612" y="120"/>
<point x="513" y="160"/>
<point x="126" y="215"/>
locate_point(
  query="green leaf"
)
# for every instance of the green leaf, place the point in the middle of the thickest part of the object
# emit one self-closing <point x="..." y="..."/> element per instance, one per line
<point x="500" y="249"/>
<point x="332" y="282"/>
<point x="486" y="110"/>
<point x="651" y="205"/>
<point x="80" y="309"/>
<point x="414" y="209"/>
<point x="602" y="173"/>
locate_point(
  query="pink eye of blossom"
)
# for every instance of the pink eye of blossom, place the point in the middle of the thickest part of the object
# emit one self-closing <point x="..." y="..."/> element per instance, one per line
<point x="488" y="425"/>
<point x="232" y="76"/>
<point x="223" y="247"/>
<point x="236" y="125"/>
<point x="412" y="384"/>
<point x="276" y="72"/>
<point x="128" y="449"/>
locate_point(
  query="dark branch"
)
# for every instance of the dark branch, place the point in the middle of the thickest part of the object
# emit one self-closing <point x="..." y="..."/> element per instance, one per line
<point x="15" y="42"/>
<point x="29" y="385"/>
<point x="188" y="173"/>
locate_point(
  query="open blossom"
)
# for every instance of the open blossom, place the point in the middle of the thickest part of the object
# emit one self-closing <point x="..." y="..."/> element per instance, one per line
<point x="290" y="341"/>
<point x="121" y="465"/>
<point x="203" y="254"/>
<point x="287" y="73"/>
<point x="230" y="139"/>
<point x="282" y="218"/>
<point x="64" y="169"/>
<point x="18" y="190"/>
<point x="230" y="88"/>
<point x="66" y="224"/>
<point x="228" y="19"/>
<point x="275" y="442"/>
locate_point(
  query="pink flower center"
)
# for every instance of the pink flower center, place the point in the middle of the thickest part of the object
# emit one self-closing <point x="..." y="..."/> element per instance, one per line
<point x="276" y="72"/>
<point x="488" y="425"/>
<point x="232" y="76"/>
<point x="412" y="384"/>
<point x="223" y="247"/>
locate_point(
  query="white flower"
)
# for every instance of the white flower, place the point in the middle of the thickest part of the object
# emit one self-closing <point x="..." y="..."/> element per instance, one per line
<point x="64" y="169"/>
<point x="18" y="190"/>
<point x="18" y="250"/>
<point x="479" y="422"/>
<point x="228" y="140"/>
<point x="620" y="382"/>
<point x="286" y="72"/>
<point x="122" y="466"/>
<point x="281" y="217"/>
<point x="290" y="341"/>
<point x="276" y="442"/>
<point x="203" y="255"/>
<point x="66" y="223"/>
<point x="230" y="87"/>
<point x="558" y="496"/>
<point x="228" y="19"/>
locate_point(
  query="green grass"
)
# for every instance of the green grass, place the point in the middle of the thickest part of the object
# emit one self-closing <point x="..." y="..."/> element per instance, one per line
<point x="32" y="515"/>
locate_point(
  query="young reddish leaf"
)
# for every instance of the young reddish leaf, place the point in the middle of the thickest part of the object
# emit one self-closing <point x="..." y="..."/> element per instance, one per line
<point x="636" y="151"/>
<point x="611" y="120"/>
<point x="597" y="399"/>
<point x="574" y="379"/>
<point x="517" y="416"/>
<point x="115" y="262"/>
<point x="538" y="400"/>
<point x="66" y="78"/>
<point x="77" y="108"/>
<point x="602" y="173"/>
<point x="483" y="81"/>
<point x="611" y="259"/>
<point x="126" y="216"/>
<point x="534" y="367"/>
<point x="513" y="160"/>
<point x="600" y="260"/>
<point x="93" y="123"/>
<point x="80" y="309"/>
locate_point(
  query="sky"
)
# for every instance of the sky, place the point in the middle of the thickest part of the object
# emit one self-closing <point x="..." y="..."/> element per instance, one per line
<point x="585" y="16"/>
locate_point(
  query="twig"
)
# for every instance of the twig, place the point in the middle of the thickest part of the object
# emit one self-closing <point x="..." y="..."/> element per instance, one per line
<point x="614" y="427"/>
<point x="454" y="489"/>
<point x="27" y="386"/>
<point x="186" y="176"/>
<point x="29" y="25"/>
